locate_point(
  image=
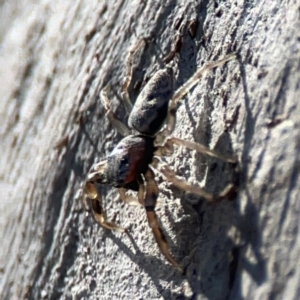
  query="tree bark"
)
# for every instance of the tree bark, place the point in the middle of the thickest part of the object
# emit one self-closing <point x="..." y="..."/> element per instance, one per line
<point x="55" y="58"/>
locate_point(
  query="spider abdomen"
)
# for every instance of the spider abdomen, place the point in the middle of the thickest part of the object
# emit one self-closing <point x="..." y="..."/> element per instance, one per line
<point x="151" y="107"/>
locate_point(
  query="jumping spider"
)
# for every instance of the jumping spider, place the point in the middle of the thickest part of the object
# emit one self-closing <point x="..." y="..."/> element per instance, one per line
<point x="131" y="163"/>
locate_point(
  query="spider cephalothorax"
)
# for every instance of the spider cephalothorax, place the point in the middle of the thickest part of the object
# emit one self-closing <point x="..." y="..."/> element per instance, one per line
<point x="130" y="157"/>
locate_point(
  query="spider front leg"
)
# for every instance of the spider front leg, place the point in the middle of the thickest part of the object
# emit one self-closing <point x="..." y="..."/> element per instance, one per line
<point x="91" y="193"/>
<point x="150" y="203"/>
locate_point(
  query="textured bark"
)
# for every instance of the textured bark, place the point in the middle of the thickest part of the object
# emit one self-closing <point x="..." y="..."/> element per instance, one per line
<point x="56" y="56"/>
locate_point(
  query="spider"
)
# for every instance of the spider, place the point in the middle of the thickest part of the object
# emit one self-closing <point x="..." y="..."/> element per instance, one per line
<point x="131" y="163"/>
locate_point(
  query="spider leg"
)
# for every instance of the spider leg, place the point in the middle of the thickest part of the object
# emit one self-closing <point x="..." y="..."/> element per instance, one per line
<point x="119" y="126"/>
<point x="183" y="90"/>
<point x="128" y="77"/>
<point x="197" y="76"/>
<point x="128" y="199"/>
<point x="91" y="193"/>
<point x="168" y="129"/>
<point x="131" y="200"/>
<point x="150" y="203"/>
<point x="141" y="191"/>
<point x="175" y="49"/>
<point x="190" y="188"/>
<point x="198" y="147"/>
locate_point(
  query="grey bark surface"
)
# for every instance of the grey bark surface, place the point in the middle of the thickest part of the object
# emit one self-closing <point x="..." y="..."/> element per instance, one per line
<point x="56" y="56"/>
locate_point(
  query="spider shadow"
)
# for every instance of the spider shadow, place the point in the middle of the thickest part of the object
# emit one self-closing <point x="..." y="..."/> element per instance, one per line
<point x="155" y="267"/>
<point x="219" y="174"/>
<point x="248" y="222"/>
<point x="192" y="228"/>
